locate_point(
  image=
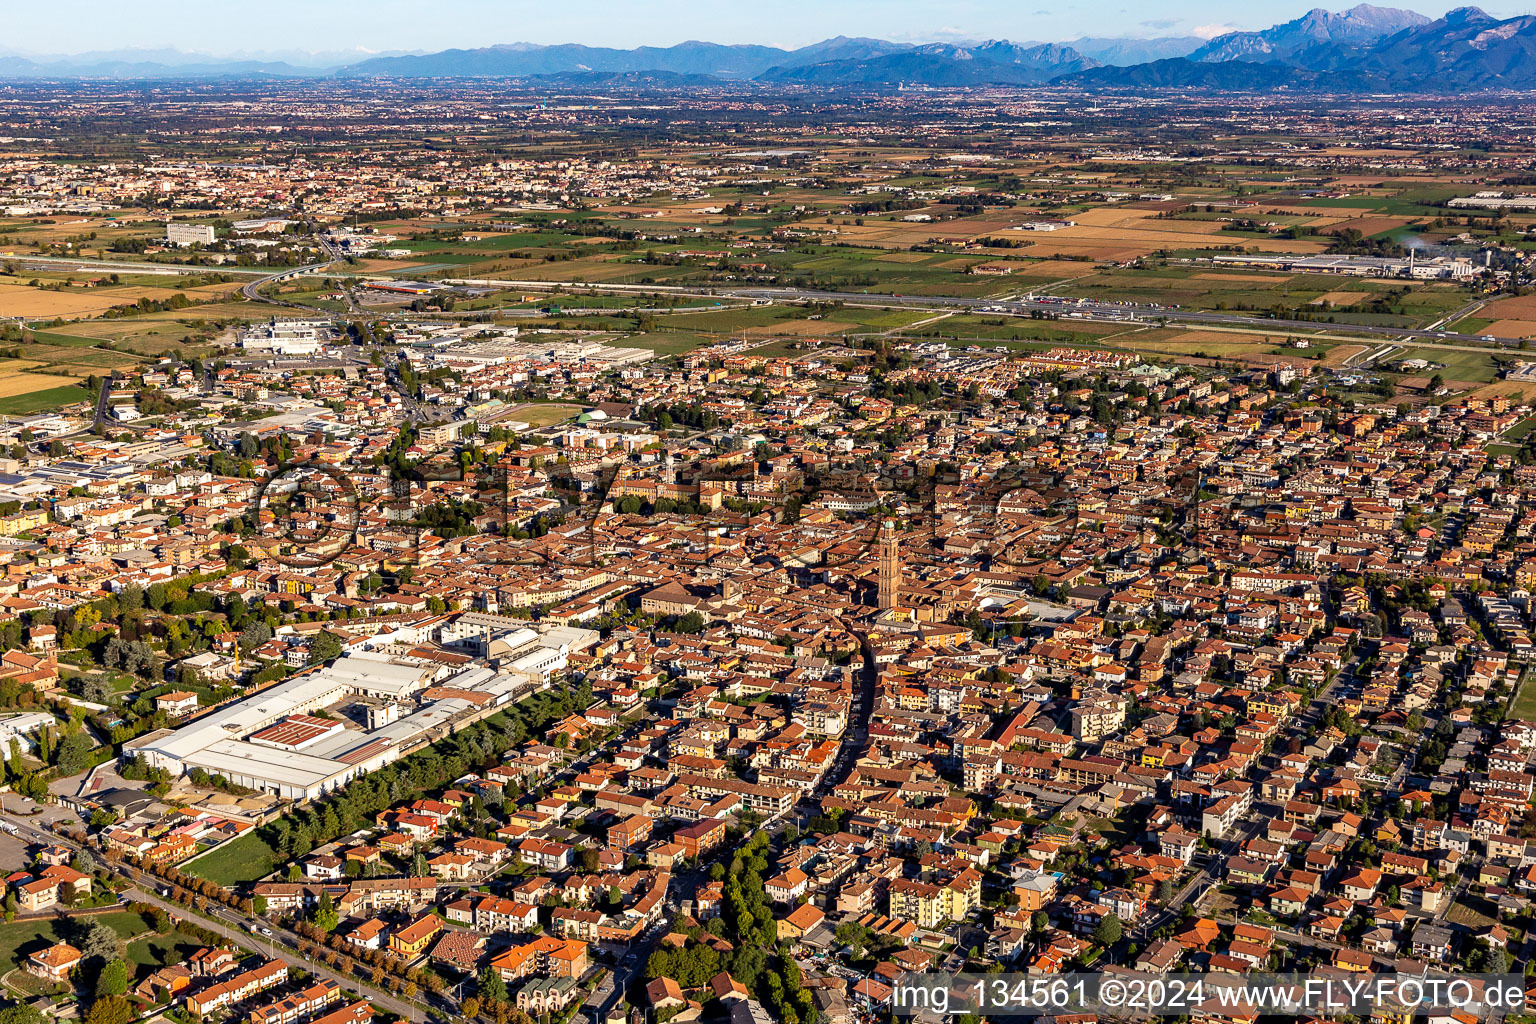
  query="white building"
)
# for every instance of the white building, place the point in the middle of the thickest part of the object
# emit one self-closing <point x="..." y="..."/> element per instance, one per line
<point x="20" y="728"/>
<point x="286" y="337"/>
<point x="189" y="234"/>
<point x="267" y="742"/>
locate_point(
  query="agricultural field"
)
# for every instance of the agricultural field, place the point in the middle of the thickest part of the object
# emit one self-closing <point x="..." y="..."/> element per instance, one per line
<point x="45" y="400"/>
<point x="1513" y="317"/>
<point x="665" y="344"/>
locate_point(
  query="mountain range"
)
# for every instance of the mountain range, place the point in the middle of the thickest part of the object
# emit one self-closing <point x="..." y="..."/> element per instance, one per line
<point x="1363" y="48"/>
<point x="1360" y="25"/>
<point x="995" y="62"/>
<point x="1466" y="49"/>
<point x="519" y="60"/>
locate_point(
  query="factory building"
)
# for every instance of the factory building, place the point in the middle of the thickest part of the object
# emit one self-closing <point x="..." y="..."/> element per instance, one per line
<point x="1426" y="268"/>
<point x="271" y="741"/>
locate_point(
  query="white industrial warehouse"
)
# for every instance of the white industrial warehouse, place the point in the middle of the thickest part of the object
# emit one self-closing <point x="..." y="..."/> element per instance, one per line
<point x="271" y="741"/>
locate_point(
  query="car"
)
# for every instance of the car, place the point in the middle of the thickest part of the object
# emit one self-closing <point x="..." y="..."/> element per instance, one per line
<point x="267" y="932"/>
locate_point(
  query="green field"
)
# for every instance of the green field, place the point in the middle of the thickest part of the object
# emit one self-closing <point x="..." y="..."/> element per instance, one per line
<point x="241" y="860"/>
<point x="1404" y="203"/>
<point x="1473" y="325"/>
<point x="55" y="338"/>
<point x="727" y="320"/>
<point x="1465" y="364"/>
<point x="665" y="344"/>
<point x="1523" y="706"/>
<point x="40" y="401"/>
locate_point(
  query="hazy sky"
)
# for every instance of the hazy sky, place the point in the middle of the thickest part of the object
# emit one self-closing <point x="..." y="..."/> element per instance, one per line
<point x="331" y="26"/>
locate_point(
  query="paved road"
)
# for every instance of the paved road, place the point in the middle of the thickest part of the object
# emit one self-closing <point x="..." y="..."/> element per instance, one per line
<point x="252" y="290"/>
<point x="102" y="398"/>
<point x="238" y="927"/>
<point x="89" y="264"/>
<point x="279" y="945"/>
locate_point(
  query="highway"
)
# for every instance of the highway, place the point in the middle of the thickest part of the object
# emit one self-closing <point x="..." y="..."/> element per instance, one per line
<point x="252" y="290"/>
<point x="75" y="263"/>
<point x="1067" y="308"/>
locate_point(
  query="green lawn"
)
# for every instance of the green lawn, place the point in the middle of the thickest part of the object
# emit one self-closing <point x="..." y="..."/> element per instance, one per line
<point x="20" y="939"/>
<point x="160" y="950"/>
<point x="241" y="860"/>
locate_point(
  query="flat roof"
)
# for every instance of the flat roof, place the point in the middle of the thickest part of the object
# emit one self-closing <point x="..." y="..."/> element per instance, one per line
<point x="252" y="760"/>
<point x="297" y="730"/>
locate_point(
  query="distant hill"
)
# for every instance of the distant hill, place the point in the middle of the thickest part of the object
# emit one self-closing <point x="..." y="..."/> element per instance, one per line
<point x="1229" y="76"/>
<point x="996" y="62"/>
<point x="519" y="60"/>
<point x="120" y="68"/>
<point x="625" y="79"/>
<point x="1364" y="48"/>
<point x="1125" y="52"/>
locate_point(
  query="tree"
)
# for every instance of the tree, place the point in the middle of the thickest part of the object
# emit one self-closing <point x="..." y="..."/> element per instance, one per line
<point x="491" y="985"/>
<point x="100" y="943"/>
<point x="258" y="905"/>
<point x="113" y="979"/>
<point x="470" y="1008"/>
<point x="21" y="1013"/>
<point x="325" y="913"/>
<point x="110" y="1010"/>
<point x="74" y="753"/>
<point x="324" y="647"/>
<point x="254" y="635"/>
<point x="1108" y="931"/>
